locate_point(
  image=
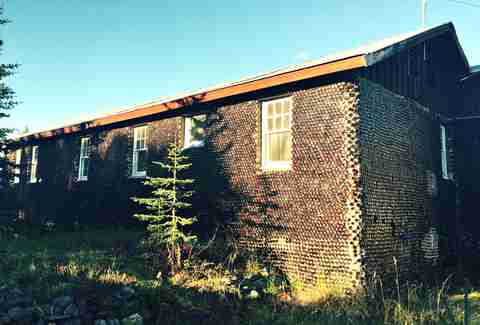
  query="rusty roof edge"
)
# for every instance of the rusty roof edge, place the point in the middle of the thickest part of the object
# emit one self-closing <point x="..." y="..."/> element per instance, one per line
<point x="90" y="123"/>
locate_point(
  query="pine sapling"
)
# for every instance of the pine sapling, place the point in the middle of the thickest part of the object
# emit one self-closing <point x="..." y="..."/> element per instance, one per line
<point x="170" y="195"/>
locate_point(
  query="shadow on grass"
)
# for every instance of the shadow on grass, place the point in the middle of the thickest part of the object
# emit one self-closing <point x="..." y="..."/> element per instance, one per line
<point x="93" y="273"/>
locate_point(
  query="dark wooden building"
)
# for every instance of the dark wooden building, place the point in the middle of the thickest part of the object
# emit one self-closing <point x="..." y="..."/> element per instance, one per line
<point x="335" y="169"/>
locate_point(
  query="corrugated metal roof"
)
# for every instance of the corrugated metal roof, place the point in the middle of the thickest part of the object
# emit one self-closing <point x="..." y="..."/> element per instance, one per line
<point x="371" y="52"/>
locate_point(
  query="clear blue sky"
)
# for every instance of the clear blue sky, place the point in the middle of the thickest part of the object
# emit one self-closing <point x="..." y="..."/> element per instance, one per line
<point x="79" y="57"/>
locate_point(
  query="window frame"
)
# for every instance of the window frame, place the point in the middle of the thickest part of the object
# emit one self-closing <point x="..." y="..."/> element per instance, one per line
<point x="187" y="135"/>
<point x="443" y="151"/>
<point x="135" y="171"/>
<point x="82" y="158"/>
<point x="34" y="165"/>
<point x="268" y="165"/>
<point x="17" y="170"/>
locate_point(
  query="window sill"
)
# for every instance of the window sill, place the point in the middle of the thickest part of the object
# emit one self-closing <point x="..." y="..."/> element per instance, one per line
<point x="139" y="176"/>
<point x="276" y="168"/>
<point x="198" y="144"/>
<point x="82" y="180"/>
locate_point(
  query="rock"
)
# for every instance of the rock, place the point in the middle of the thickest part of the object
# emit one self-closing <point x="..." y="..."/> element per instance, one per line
<point x="131" y="307"/>
<point x="72" y="311"/>
<point x="88" y="318"/>
<point x="82" y="307"/>
<point x="20" y="315"/>
<point x="18" y="301"/>
<point x="38" y="313"/>
<point x="100" y="322"/>
<point x="113" y="322"/>
<point x="4" y="319"/>
<point x="63" y="302"/>
<point x="125" y="293"/>
<point x="58" y="318"/>
<point x="134" y="319"/>
<point x="40" y="322"/>
<point x="128" y="292"/>
<point x="197" y="314"/>
<point x="74" y="321"/>
<point x="16" y="292"/>
<point x="147" y="315"/>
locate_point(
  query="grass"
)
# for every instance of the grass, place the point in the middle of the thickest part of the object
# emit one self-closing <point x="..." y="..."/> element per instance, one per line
<point x="93" y="264"/>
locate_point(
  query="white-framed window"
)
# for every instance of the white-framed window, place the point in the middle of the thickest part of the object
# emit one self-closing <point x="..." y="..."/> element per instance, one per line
<point x="34" y="165"/>
<point x="84" y="162"/>
<point x="140" y="149"/>
<point x="277" y="134"/>
<point x="17" y="170"/>
<point x="195" y="131"/>
<point x="443" y="151"/>
<point x="21" y="214"/>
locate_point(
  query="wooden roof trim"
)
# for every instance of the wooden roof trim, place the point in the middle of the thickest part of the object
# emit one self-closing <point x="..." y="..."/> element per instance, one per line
<point x="208" y="96"/>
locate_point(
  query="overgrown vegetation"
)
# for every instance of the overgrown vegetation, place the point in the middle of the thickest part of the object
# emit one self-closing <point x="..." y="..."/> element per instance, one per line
<point x="239" y="290"/>
<point x="170" y="195"/>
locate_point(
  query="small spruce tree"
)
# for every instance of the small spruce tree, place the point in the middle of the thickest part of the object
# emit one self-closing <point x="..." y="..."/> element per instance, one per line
<point x="170" y="195"/>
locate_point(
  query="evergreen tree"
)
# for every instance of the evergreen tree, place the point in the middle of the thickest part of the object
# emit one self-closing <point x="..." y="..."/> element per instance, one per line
<point x="7" y="102"/>
<point x="25" y="130"/>
<point x="166" y="224"/>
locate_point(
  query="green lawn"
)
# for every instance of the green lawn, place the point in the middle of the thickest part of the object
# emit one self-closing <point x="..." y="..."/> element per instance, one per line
<point x="92" y="264"/>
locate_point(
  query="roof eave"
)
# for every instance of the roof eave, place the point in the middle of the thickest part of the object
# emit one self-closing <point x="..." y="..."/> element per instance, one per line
<point x="346" y="64"/>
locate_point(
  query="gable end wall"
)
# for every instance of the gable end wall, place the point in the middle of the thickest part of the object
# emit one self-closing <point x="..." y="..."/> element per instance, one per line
<point x="399" y="154"/>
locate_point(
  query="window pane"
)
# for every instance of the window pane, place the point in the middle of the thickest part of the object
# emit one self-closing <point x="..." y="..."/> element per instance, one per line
<point x="140" y="133"/>
<point x="18" y="157"/>
<point x="286" y="121"/>
<point x="140" y="144"/>
<point x="85" y="148"/>
<point x="279" y="147"/>
<point x="270" y="124"/>
<point x="141" y="161"/>
<point x="140" y="137"/>
<point x="197" y="134"/>
<point x="277" y="132"/>
<point x="196" y="131"/>
<point x="270" y="110"/>
<point x="278" y="123"/>
<point x="34" y="154"/>
<point x="278" y="107"/>
<point x="286" y="106"/>
<point x="84" y="167"/>
<point x="271" y="146"/>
